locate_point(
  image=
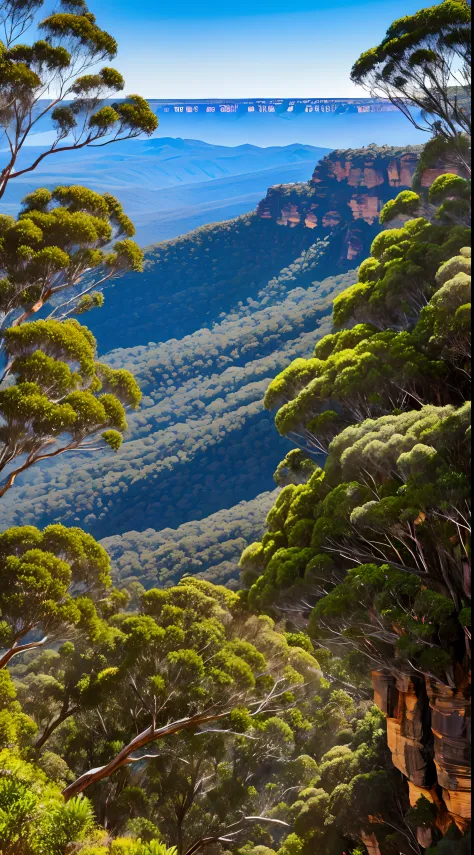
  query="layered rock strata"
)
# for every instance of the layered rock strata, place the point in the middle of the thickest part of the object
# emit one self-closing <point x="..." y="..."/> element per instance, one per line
<point x="429" y="736"/>
<point x="344" y="196"/>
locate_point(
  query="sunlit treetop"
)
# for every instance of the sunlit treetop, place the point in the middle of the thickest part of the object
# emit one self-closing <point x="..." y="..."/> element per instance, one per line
<point x="424" y="62"/>
<point x="62" y="398"/>
<point x="52" y="581"/>
<point x="65" y="244"/>
<point x="71" y="43"/>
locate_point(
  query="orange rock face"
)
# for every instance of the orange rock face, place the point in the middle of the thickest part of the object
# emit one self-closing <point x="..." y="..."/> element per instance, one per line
<point x="344" y="198"/>
<point x="331" y="219"/>
<point x="290" y="216"/>
<point x="347" y="187"/>
<point x="371" y="171"/>
<point x="429" y="736"/>
<point x="405" y="730"/>
<point x="430" y="175"/>
<point x="372" y="178"/>
<point x="356" y="176"/>
<point x="400" y="173"/>
<point x="407" y="753"/>
<point x="353" y="250"/>
<point x="451" y="726"/>
<point x="365" y="208"/>
<point x="443" y="166"/>
<point x="370" y="842"/>
<point x="408" y="165"/>
<point x="341" y="171"/>
<point x="385" y="692"/>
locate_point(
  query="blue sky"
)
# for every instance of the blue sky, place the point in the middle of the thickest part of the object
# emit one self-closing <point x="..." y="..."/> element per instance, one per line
<point x="266" y="48"/>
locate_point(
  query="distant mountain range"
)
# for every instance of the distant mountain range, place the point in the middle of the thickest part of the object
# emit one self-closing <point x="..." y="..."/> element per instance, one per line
<point x="202" y="167"/>
<point x="170" y="186"/>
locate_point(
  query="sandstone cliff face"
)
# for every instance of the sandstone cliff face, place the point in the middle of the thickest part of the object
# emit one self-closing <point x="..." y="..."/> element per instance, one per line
<point x="429" y="736"/>
<point x="344" y="197"/>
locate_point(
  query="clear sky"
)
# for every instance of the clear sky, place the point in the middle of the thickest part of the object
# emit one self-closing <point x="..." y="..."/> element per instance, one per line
<point x="267" y="48"/>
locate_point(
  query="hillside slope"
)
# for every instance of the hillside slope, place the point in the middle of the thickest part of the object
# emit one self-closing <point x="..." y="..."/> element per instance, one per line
<point x="216" y="315"/>
<point x="193" y="279"/>
<point x="210" y="547"/>
<point x="201" y="440"/>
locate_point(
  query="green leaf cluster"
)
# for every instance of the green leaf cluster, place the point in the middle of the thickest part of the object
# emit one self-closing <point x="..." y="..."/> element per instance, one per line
<point x="62" y="241"/>
<point x="371" y="552"/>
<point x="58" y="397"/>
<point x="412" y="66"/>
<point x="65" y="60"/>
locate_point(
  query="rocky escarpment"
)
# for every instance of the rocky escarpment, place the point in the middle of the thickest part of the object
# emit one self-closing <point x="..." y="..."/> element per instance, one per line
<point x="429" y="736"/>
<point x="344" y="196"/>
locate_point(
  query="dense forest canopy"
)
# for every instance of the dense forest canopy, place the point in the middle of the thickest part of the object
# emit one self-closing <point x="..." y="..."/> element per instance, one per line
<point x="322" y="705"/>
<point x="207" y="325"/>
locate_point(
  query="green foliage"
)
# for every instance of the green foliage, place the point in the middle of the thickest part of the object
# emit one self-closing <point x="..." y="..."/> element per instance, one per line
<point x="58" y="238"/>
<point x="375" y="545"/>
<point x="295" y="468"/>
<point x="454" y="841"/>
<point x="34" y="820"/>
<point x="418" y="292"/>
<point x="412" y="66"/>
<point x="369" y="554"/>
<point x="329" y="815"/>
<point x="406" y="204"/>
<point x="441" y="150"/>
<point x="16" y="727"/>
<point x="62" y="399"/>
<point x="193" y="655"/>
<point x="423" y="814"/>
<point x="70" y="43"/>
<point x="293" y="845"/>
<point x="447" y="186"/>
<point x="410" y="617"/>
<point x="51" y="580"/>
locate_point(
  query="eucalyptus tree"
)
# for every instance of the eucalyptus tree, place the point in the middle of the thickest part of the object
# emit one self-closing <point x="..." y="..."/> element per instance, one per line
<point x="192" y="659"/>
<point x="207" y="783"/>
<point x="373" y="551"/>
<point x="424" y="62"/>
<point x="408" y="335"/>
<point x="63" y="247"/>
<point x="61" y="399"/>
<point x="52" y="584"/>
<point x="35" y="820"/>
<point x="62" y="61"/>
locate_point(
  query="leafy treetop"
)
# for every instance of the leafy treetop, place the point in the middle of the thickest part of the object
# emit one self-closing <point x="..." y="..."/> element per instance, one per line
<point x="58" y="238"/>
<point x="71" y="44"/>
<point x="190" y="658"/>
<point x="424" y="62"/>
<point x="52" y="580"/>
<point x="61" y="400"/>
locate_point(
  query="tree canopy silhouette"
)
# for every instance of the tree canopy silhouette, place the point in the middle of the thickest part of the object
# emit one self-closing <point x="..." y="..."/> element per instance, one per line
<point x="61" y="61"/>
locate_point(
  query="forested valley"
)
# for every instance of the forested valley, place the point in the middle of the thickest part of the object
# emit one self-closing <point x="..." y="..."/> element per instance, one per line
<point x="181" y="673"/>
